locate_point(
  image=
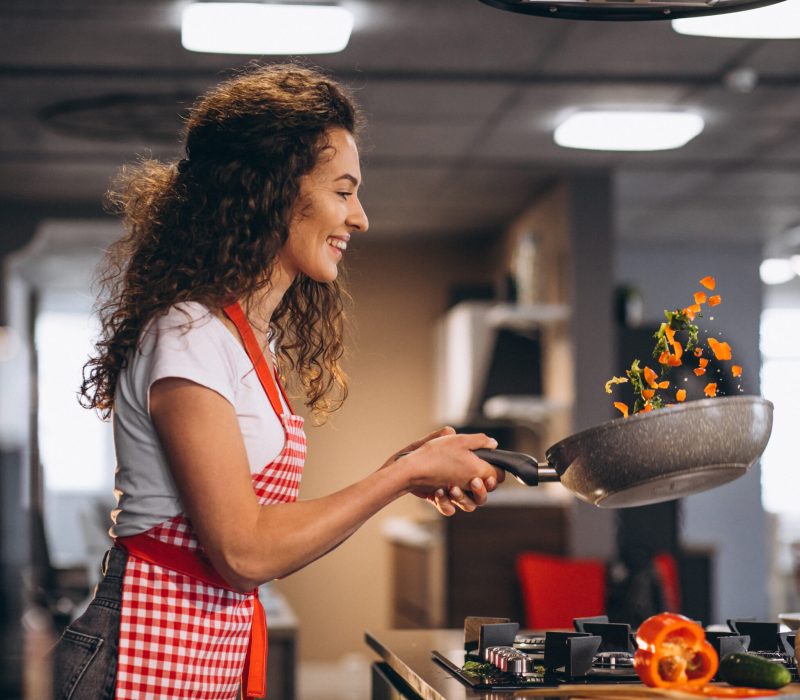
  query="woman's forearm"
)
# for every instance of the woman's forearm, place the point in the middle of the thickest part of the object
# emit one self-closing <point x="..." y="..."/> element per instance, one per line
<point x="286" y="537"/>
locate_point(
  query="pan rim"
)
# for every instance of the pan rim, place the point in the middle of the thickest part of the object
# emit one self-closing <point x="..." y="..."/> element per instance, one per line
<point x="660" y="414"/>
<point x="740" y="467"/>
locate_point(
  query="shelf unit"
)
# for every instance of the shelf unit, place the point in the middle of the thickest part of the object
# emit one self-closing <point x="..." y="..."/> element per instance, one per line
<point x="469" y="336"/>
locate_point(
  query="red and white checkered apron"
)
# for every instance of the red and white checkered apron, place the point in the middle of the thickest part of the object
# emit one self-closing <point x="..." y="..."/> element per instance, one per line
<point x="181" y="637"/>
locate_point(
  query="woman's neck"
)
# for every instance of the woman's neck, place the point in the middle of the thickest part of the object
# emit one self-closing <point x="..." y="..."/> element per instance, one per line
<point x="261" y="305"/>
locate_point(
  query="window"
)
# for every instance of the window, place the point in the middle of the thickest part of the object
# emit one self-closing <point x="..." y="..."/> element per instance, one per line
<point x="72" y="440"/>
<point x="75" y="446"/>
<point x="780" y="383"/>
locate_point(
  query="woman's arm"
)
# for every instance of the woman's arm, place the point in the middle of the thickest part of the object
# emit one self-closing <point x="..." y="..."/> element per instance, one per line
<point x="249" y="544"/>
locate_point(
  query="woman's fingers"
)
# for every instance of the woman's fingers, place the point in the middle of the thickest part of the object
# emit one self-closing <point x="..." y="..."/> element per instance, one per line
<point x="478" y="491"/>
<point x="462" y="500"/>
<point x="476" y="441"/>
<point x="493" y="481"/>
<point x="443" y="503"/>
<point x="447" y="502"/>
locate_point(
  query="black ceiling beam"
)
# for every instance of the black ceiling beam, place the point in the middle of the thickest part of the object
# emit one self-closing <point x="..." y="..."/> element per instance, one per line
<point x="594" y="79"/>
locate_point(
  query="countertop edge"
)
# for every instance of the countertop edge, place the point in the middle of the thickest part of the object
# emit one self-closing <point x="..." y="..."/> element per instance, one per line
<point x="401" y="668"/>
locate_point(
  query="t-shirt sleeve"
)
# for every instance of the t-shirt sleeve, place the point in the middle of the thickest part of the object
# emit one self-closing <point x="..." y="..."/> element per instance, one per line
<point x="197" y="352"/>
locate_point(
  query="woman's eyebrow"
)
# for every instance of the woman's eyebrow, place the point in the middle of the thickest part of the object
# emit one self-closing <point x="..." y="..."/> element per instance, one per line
<point x="348" y="176"/>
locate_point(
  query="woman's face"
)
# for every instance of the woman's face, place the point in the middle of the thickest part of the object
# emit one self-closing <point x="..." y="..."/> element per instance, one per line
<point x="327" y="213"/>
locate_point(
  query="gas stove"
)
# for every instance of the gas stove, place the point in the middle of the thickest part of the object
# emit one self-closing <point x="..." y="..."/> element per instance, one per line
<point x="596" y="651"/>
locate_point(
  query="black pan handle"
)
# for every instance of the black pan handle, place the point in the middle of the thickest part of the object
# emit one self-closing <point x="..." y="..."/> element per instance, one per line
<point x="524" y="467"/>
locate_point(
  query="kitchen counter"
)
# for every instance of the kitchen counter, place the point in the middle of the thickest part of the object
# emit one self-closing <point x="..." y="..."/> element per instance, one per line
<point x="408" y="671"/>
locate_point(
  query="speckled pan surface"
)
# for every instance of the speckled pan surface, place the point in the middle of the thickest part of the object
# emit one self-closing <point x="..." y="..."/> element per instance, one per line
<point x="664" y="454"/>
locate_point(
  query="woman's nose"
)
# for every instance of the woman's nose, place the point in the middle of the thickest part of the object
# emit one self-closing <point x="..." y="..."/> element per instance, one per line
<point x="357" y="219"/>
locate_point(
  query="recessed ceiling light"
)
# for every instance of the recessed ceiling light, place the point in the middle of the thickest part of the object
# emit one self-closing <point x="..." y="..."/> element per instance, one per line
<point x="252" y="28"/>
<point x="627" y="130"/>
<point x="779" y="21"/>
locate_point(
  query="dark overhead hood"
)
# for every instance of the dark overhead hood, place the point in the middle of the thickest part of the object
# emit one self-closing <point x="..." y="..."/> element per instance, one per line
<point x="626" y="9"/>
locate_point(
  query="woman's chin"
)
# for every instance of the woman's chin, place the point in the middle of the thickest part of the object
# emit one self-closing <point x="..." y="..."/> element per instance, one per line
<point x="324" y="276"/>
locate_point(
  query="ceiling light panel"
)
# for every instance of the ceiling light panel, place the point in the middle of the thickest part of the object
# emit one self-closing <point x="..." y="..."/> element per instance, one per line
<point x="628" y="130"/>
<point x="258" y="29"/>
<point x="779" y="21"/>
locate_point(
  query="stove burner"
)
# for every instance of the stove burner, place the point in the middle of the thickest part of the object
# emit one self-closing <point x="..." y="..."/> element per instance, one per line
<point x="613" y="660"/>
<point x="774" y="656"/>
<point x="510" y="660"/>
<point x="529" y="644"/>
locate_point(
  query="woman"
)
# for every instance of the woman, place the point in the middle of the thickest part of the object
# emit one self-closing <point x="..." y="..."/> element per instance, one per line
<point x="233" y="250"/>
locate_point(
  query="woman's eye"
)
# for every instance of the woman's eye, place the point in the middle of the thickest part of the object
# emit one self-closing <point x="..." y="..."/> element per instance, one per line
<point x="345" y="194"/>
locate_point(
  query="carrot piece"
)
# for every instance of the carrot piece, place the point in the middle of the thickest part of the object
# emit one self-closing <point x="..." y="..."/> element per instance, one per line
<point x="622" y="408"/>
<point x="708" y="282"/>
<point x="663" y="385"/>
<point x="700" y="297"/>
<point x="678" y="349"/>
<point x="663" y="358"/>
<point x="736" y="370"/>
<point x="698" y="351"/>
<point x="702" y="362"/>
<point x="650" y="377"/>
<point x="674" y="361"/>
<point x="670" y="334"/>
<point x="647" y="407"/>
<point x="722" y="351"/>
<point x="680" y="395"/>
<point x="692" y="311"/>
<point x="699" y="371"/>
<point x="716" y="300"/>
<point x="648" y="393"/>
<point x="711" y="389"/>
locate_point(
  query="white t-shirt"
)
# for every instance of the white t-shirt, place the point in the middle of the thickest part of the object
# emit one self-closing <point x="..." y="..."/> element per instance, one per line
<point x="205" y="352"/>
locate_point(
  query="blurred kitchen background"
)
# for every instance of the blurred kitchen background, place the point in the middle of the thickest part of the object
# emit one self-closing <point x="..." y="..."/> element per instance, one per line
<point x="504" y="279"/>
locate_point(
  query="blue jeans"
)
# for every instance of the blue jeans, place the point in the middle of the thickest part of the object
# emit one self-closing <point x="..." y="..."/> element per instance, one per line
<point x="85" y="658"/>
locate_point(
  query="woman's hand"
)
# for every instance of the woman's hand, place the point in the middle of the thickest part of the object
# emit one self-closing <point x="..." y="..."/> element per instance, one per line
<point x="449" y="475"/>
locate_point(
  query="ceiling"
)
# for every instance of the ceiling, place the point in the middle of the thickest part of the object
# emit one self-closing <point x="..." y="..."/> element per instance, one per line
<point x="461" y="100"/>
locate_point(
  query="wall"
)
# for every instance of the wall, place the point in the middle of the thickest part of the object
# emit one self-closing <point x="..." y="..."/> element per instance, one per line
<point x="729" y="519"/>
<point x="399" y="290"/>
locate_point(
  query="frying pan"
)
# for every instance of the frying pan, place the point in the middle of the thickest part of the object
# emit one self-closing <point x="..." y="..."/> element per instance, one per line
<point x="652" y="457"/>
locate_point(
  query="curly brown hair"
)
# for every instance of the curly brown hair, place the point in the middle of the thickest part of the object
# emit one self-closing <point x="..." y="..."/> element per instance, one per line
<point x="209" y="227"/>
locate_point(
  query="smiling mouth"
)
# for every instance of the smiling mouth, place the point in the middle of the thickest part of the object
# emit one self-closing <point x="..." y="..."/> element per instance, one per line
<point x="337" y="243"/>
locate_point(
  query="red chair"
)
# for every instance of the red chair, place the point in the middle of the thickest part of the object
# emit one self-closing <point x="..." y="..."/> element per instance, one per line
<point x="557" y="589"/>
<point x="667" y="569"/>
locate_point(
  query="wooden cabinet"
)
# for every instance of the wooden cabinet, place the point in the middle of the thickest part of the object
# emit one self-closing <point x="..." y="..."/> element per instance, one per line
<point x="467" y="566"/>
<point x="481" y="553"/>
<point x="418" y="586"/>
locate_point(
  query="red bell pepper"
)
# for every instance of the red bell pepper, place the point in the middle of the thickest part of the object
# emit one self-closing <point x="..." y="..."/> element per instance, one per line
<point x="673" y="653"/>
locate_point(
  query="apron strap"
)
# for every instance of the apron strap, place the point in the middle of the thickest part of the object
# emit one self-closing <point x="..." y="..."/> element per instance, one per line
<point x="236" y="314"/>
<point x="191" y="562"/>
